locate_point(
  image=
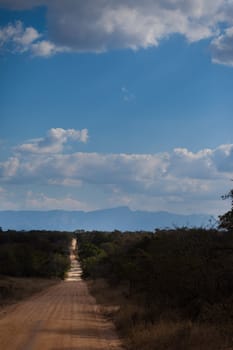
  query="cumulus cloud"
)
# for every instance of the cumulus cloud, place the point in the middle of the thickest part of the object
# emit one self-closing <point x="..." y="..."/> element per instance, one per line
<point x="15" y="38"/>
<point x="9" y="168"/>
<point x="18" y="37"/>
<point x="45" y="48"/>
<point x="180" y="171"/>
<point x="100" y="25"/>
<point x="222" y="48"/>
<point x="54" y="141"/>
<point x="197" y="165"/>
<point x="223" y="158"/>
<point x="181" y="178"/>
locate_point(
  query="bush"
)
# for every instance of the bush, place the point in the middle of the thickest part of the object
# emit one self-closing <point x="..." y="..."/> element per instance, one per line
<point x="34" y="253"/>
<point x="178" y="285"/>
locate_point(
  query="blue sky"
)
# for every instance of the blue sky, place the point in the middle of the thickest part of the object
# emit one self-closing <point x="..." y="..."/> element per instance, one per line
<point x="128" y="103"/>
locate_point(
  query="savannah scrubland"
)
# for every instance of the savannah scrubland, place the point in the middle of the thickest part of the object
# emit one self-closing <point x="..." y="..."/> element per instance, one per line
<point x="172" y="289"/>
<point x="31" y="261"/>
<point x="64" y="316"/>
<point x="167" y="290"/>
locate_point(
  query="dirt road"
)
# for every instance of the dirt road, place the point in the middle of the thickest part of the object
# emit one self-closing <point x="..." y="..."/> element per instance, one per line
<point x="65" y="317"/>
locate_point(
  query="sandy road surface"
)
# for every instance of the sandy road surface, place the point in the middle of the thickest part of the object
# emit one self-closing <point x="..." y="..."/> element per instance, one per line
<point x="65" y="317"/>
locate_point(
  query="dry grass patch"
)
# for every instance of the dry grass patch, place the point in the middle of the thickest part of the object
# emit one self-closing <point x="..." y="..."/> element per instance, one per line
<point x="109" y="299"/>
<point x="167" y="335"/>
<point x="167" y="332"/>
<point x="13" y="289"/>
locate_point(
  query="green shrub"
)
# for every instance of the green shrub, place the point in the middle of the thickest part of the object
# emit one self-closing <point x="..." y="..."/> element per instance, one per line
<point x="34" y="253"/>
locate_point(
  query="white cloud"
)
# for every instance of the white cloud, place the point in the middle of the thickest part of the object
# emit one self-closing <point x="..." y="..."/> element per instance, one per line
<point x="54" y="141"/>
<point x="222" y="48"/>
<point x="15" y="38"/>
<point x="180" y="170"/>
<point x="41" y="201"/>
<point x="44" y="48"/>
<point x="100" y="25"/>
<point x="223" y="158"/>
<point x="34" y="200"/>
<point x="180" y="176"/>
<point x="9" y="168"/>
<point x="193" y="165"/>
<point x="28" y="36"/>
<point x="6" y="200"/>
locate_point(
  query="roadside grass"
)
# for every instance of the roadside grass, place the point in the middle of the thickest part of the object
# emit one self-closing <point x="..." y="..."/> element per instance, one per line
<point x="182" y="335"/>
<point x="14" y="289"/>
<point x="168" y="332"/>
<point x="168" y="290"/>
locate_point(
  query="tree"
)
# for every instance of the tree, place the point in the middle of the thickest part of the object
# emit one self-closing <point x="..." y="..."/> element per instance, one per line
<point x="226" y="220"/>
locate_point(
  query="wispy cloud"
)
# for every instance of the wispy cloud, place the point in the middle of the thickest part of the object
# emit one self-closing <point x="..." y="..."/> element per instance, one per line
<point x="127" y="95"/>
<point x="40" y="201"/>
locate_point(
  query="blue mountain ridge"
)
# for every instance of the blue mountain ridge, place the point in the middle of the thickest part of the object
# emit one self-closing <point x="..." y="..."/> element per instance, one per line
<point x="120" y="218"/>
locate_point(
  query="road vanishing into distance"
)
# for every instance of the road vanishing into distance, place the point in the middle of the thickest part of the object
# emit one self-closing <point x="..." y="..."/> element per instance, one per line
<point x="64" y="317"/>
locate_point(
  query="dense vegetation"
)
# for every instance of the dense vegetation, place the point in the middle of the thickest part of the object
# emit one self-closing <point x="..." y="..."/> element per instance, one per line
<point x="226" y="220"/>
<point x="175" y="286"/>
<point x="34" y="254"/>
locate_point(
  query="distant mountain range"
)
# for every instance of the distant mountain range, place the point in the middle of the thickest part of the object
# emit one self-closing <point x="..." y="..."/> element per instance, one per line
<point x="121" y="218"/>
